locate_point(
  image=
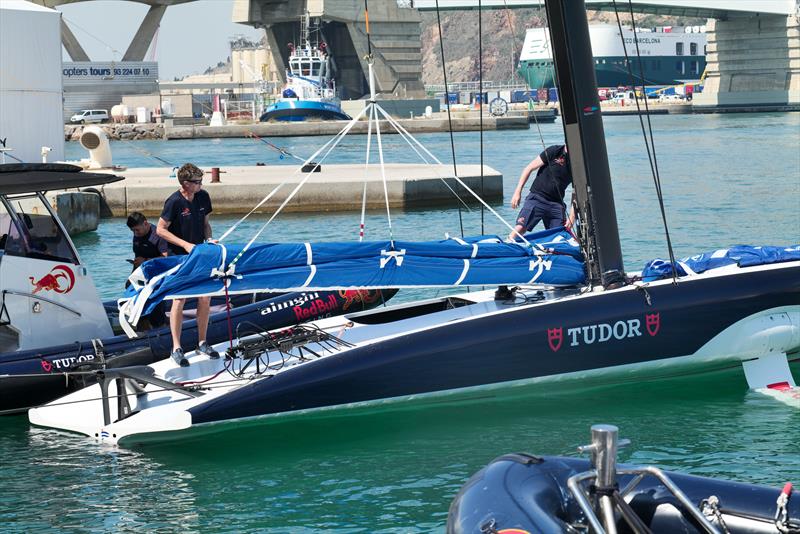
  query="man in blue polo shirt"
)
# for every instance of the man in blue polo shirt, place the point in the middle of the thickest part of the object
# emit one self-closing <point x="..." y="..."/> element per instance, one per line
<point x="545" y="201"/>
<point x="184" y="224"/>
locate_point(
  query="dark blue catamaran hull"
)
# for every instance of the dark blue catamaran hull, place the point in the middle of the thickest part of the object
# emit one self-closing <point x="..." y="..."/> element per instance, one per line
<point x="597" y="331"/>
<point x="31" y="377"/>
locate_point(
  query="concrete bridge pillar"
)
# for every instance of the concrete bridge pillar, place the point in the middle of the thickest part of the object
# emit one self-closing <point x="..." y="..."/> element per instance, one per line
<point x="394" y="30"/>
<point x="144" y="35"/>
<point x="71" y="44"/>
<point x="752" y="62"/>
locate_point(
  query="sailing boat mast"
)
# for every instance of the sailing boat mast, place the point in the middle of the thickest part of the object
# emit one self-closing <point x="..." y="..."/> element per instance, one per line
<point x="583" y="128"/>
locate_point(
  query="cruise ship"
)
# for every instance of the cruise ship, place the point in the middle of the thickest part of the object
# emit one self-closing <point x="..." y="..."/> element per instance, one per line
<point x="669" y="55"/>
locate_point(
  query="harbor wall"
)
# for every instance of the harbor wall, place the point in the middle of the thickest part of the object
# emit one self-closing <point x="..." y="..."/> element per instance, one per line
<point x="335" y="188"/>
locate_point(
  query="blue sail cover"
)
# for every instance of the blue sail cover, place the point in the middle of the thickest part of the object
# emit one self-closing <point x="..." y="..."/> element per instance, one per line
<point x="741" y="255"/>
<point x="551" y="258"/>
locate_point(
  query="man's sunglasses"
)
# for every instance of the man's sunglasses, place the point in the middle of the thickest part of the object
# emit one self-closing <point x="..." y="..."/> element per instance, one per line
<point x="198" y="182"/>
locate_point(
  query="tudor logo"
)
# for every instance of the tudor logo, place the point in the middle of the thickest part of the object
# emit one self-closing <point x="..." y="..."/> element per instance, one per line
<point x="653" y="322"/>
<point x="555" y="336"/>
<point x="602" y="332"/>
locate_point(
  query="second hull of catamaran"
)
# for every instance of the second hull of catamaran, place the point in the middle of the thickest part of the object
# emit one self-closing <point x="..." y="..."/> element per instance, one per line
<point x="459" y="346"/>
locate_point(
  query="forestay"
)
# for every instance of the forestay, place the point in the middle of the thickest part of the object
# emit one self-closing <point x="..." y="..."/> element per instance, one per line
<point x="550" y="258"/>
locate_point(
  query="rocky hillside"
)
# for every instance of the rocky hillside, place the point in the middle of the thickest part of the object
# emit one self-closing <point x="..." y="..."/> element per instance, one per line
<point x="501" y="44"/>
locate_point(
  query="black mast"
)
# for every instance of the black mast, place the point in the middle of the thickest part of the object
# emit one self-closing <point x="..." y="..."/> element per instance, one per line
<point x="583" y="128"/>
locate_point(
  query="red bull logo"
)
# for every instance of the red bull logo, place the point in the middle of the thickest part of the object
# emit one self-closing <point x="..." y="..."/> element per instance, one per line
<point x="361" y="296"/>
<point x="315" y="308"/>
<point x="60" y="279"/>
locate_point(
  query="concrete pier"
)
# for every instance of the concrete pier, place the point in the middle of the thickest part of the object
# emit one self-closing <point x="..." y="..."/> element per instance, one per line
<point x="467" y="123"/>
<point x="335" y="188"/>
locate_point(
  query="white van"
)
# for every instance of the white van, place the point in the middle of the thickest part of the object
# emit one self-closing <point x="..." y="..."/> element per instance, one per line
<point x="89" y="115"/>
<point x="625" y="98"/>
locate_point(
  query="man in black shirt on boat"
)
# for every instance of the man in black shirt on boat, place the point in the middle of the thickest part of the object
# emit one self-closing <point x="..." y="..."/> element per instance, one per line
<point x="146" y="242"/>
<point x="146" y="245"/>
<point x="545" y="201"/>
<point x="184" y="224"/>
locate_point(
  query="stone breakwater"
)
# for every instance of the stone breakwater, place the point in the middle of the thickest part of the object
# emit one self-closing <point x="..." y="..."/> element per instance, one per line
<point x="116" y="132"/>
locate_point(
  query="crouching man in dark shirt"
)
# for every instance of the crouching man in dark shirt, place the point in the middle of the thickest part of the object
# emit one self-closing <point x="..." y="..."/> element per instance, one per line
<point x="184" y="224"/>
<point x="146" y="246"/>
<point x="146" y="242"/>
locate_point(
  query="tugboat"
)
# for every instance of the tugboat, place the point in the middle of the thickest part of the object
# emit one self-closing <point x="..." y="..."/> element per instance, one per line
<point x="310" y="87"/>
<point x="522" y="493"/>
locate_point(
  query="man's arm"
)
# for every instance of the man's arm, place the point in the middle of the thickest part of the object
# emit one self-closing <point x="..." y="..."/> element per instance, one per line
<point x="572" y="215"/>
<point x="207" y="228"/>
<point x="163" y="232"/>
<point x="526" y="172"/>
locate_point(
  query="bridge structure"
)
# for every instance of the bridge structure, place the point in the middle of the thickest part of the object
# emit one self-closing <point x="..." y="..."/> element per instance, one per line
<point x="753" y="51"/>
<point x="141" y="40"/>
<point x="395" y="40"/>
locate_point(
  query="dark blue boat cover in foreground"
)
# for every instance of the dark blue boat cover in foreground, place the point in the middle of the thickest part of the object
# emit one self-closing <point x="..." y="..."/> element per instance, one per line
<point x="551" y="257"/>
<point x="740" y="255"/>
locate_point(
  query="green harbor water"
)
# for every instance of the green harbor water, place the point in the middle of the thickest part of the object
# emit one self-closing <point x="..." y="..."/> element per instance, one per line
<point x="727" y="179"/>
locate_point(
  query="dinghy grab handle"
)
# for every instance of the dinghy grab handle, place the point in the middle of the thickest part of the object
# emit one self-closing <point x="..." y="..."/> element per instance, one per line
<point x="603" y="451"/>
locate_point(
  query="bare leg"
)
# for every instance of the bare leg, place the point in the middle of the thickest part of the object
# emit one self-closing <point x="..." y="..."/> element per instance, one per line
<point x="176" y="322"/>
<point x="203" y="307"/>
<point x="516" y="233"/>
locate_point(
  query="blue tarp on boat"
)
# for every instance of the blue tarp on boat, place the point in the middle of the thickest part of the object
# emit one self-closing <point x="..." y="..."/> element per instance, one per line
<point x="551" y="257"/>
<point x="741" y="255"/>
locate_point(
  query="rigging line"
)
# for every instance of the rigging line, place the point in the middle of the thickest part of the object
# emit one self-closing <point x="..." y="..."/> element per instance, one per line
<point x="12" y="156"/>
<point x="282" y="151"/>
<point x="513" y="39"/>
<point x="460" y="182"/>
<point x="449" y="117"/>
<point x="480" y="91"/>
<point x="649" y="143"/>
<point x="338" y="138"/>
<point x="405" y="136"/>
<point x="90" y="34"/>
<point x="279" y="186"/>
<point x="366" y="166"/>
<point x="655" y="160"/>
<point x="147" y="153"/>
<point x="541" y="85"/>
<point x="383" y="174"/>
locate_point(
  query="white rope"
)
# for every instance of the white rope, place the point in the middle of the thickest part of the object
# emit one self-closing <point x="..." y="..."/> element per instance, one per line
<point x="383" y="175"/>
<point x="266" y="198"/>
<point x="296" y="171"/>
<point x="366" y="168"/>
<point x="297" y="188"/>
<point x="459" y="180"/>
<point x="424" y="160"/>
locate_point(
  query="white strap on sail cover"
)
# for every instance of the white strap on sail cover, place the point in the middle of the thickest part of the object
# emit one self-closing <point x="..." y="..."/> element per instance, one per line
<point x="463" y="273"/>
<point x="388" y="255"/>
